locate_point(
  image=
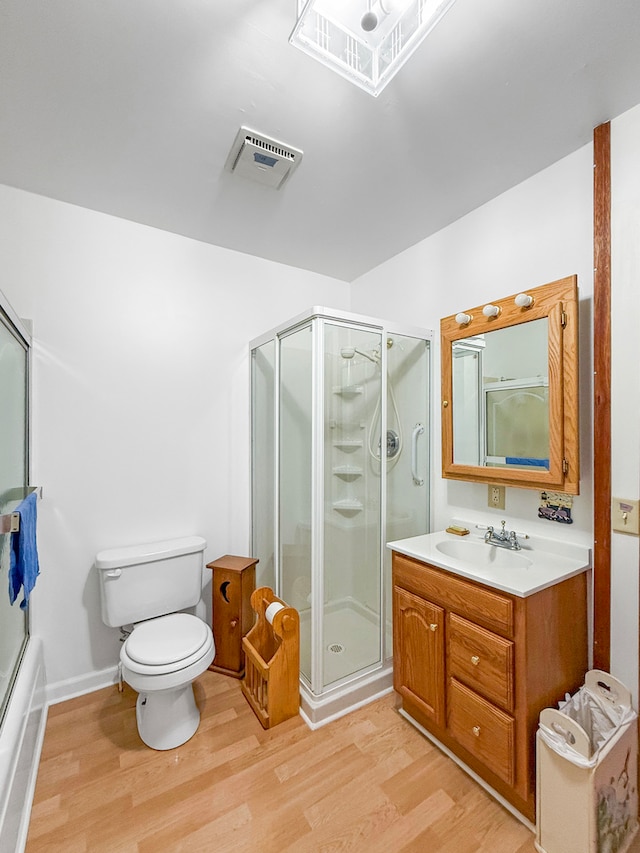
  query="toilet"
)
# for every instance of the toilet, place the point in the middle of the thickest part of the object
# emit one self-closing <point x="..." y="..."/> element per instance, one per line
<point x="147" y="586"/>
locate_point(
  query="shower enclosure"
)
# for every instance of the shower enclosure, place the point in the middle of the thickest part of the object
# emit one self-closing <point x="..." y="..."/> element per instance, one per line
<point x="340" y="456"/>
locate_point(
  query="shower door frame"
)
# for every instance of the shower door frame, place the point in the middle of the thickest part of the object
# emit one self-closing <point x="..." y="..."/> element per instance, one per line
<point x="18" y="330"/>
<point x="320" y="316"/>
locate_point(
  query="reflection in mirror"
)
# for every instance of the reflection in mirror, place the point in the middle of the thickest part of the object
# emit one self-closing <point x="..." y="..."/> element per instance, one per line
<point x="501" y="398"/>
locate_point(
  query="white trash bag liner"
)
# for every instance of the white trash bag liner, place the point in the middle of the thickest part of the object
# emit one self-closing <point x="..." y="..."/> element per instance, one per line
<point x="584" y="722"/>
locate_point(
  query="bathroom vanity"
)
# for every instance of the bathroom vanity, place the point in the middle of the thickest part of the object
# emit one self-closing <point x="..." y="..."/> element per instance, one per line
<point x="484" y="639"/>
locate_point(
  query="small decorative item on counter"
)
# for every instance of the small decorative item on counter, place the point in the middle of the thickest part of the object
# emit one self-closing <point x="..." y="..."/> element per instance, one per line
<point x="555" y="506"/>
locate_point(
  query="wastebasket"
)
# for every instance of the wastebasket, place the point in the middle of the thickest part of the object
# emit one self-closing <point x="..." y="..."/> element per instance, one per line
<point x="586" y="795"/>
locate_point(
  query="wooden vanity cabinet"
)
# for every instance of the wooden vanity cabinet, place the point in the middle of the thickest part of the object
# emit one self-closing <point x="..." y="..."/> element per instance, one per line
<point x="474" y="666"/>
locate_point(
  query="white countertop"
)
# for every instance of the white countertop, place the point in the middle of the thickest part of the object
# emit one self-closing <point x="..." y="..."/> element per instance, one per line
<point x="549" y="561"/>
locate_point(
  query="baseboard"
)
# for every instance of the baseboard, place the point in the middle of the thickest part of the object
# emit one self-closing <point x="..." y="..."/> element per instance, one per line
<point x="60" y="691"/>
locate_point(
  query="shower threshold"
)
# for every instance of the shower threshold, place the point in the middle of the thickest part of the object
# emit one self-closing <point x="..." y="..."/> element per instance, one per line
<point x="317" y="711"/>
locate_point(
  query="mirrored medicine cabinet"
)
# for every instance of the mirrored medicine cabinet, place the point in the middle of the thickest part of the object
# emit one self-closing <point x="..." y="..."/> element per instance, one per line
<point x="510" y="390"/>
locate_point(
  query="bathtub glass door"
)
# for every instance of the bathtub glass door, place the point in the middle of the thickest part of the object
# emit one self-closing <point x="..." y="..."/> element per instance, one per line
<point x="13" y="483"/>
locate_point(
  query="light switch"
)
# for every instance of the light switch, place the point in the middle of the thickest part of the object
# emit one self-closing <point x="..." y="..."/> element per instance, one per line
<point x="625" y="516"/>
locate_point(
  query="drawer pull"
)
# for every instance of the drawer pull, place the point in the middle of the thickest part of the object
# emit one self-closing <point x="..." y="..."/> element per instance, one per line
<point x="475" y="660"/>
<point x="433" y="627"/>
<point x="476" y="731"/>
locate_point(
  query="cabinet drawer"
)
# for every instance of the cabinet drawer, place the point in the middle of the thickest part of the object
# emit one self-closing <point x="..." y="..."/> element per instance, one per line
<point x="482" y="729"/>
<point x="482" y="605"/>
<point x="481" y="660"/>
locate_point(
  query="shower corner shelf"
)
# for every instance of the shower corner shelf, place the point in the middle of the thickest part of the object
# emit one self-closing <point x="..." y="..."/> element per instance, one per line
<point x="348" y="390"/>
<point x="347" y="472"/>
<point x="348" y="506"/>
<point x="348" y="444"/>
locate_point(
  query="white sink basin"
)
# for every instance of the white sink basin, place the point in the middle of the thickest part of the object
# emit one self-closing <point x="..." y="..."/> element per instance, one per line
<point x="541" y="563"/>
<point x="481" y="554"/>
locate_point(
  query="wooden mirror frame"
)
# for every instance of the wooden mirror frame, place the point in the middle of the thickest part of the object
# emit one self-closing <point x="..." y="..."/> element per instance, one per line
<point x="558" y="302"/>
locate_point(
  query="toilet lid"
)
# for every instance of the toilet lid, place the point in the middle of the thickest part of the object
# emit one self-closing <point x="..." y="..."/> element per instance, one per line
<point x="167" y="639"/>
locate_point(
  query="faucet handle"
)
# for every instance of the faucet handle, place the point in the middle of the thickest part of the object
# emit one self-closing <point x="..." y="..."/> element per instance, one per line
<point x="513" y="541"/>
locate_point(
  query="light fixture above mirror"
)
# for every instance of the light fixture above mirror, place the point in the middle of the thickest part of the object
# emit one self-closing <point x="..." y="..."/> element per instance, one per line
<point x="491" y="310"/>
<point x="510" y="390"/>
<point x="365" y="41"/>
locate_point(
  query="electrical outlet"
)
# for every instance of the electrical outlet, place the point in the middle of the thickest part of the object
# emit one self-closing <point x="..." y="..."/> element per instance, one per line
<point x="496" y="497"/>
<point x="624" y="515"/>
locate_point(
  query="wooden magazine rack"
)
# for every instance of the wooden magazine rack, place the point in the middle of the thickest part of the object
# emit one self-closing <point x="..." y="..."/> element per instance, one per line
<point x="272" y="659"/>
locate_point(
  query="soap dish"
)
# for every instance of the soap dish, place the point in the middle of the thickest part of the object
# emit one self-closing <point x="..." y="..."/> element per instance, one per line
<point x="459" y="531"/>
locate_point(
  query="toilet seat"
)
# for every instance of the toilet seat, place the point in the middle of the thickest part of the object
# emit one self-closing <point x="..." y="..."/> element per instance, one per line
<point x="166" y="644"/>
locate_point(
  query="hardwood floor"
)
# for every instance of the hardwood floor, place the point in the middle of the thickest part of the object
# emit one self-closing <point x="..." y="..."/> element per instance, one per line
<point x="368" y="781"/>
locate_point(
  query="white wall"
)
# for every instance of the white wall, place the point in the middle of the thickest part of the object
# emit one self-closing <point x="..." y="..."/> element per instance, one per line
<point x="625" y="383"/>
<point x="537" y="232"/>
<point x="141" y="397"/>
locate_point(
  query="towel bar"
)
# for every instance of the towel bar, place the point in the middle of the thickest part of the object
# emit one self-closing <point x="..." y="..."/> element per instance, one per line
<point x="10" y="521"/>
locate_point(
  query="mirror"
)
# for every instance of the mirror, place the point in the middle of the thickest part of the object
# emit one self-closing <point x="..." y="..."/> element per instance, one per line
<point x="510" y="390"/>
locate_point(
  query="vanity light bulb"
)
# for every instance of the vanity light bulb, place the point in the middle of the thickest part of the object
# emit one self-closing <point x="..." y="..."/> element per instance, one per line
<point x="523" y="300"/>
<point x="462" y="319"/>
<point x="491" y="310"/>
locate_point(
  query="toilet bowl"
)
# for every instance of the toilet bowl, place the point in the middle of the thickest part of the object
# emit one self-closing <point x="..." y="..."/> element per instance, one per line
<point x="150" y="586"/>
<point x="160" y="659"/>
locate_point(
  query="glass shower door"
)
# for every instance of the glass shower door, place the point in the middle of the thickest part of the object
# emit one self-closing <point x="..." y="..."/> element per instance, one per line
<point x="263" y="492"/>
<point x="407" y="504"/>
<point x="352" y="590"/>
<point x="13" y="483"/>
<point x="295" y="482"/>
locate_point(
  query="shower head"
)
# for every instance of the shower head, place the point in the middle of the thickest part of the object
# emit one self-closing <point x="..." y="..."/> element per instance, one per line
<point x="349" y="352"/>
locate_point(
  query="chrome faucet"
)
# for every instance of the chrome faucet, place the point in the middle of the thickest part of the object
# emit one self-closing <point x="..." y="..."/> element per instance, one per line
<point x="503" y="538"/>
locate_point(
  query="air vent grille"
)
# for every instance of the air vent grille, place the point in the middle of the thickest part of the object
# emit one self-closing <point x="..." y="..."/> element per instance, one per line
<point x="272" y="147"/>
<point x="262" y="159"/>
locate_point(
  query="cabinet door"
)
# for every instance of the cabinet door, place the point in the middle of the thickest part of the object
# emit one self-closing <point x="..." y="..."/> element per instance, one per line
<point x="418" y="673"/>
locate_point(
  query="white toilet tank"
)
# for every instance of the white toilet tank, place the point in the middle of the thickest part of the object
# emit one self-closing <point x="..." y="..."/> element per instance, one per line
<point x="140" y="582"/>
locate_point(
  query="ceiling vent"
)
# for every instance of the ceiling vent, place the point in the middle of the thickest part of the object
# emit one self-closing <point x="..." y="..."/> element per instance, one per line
<point x="262" y="159"/>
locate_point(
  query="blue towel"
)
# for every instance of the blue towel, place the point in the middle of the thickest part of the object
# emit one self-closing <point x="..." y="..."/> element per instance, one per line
<point x="24" y="568"/>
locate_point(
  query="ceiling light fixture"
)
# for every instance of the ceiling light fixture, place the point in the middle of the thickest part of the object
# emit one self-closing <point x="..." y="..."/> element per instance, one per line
<point x="366" y="41"/>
